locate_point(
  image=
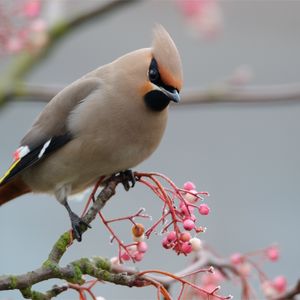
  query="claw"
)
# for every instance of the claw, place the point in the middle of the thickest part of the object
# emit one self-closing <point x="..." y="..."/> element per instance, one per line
<point x="76" y="226"/>
<point x="127" y="178"/>
<point x="76" y="222"/>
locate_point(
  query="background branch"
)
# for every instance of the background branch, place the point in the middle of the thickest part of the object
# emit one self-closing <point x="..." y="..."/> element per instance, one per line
<point x="215" y="94"/>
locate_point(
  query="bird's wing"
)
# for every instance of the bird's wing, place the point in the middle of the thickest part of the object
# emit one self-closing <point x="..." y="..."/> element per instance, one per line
<point x="50" y="131"/>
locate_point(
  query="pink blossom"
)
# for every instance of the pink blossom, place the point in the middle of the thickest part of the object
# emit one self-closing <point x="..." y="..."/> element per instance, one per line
<point x="203" y="16"/>
<point x="272" y="253"/>
<point x="237" y="258"/>
<point x="192" y="7"/>
<point x="280" y="284"/>
<point x="32" y="8"/>
<point x="14" y="45"/>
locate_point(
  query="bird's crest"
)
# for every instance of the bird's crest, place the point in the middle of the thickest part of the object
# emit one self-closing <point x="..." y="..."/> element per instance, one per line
<point x="167" y="57"/>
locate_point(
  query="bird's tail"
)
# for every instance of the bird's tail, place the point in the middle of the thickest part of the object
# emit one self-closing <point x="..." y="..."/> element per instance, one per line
<point x="12" y="189"/>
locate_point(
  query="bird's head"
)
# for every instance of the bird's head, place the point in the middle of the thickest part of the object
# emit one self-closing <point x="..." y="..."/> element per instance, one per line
<point x="164" y="74"/>
<point x="153" y="75"/>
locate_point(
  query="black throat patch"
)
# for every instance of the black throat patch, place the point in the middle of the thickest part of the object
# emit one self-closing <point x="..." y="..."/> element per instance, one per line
<point x="156" y="100"/>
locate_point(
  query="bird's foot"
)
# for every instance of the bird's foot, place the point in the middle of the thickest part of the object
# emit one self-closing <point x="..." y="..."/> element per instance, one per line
<point x="77" y="224"/>
<point x="128" y="179"/>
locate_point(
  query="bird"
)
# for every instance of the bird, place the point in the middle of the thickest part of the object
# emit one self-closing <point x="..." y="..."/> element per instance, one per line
<point x="107" y="122"/>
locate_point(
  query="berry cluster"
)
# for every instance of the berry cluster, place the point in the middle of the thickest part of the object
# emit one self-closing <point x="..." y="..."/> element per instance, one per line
<point x="178" y="221"/>
<point x="137" y="250"/>
<point x="181" y="240"/>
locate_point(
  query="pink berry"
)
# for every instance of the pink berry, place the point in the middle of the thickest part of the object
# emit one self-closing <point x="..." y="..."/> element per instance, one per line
<point x="204" y="209"/>
<point x="189" y="186"/>
<point x="188" y="224"/>
<point x="165" y="243"/>
<point x="185" y="236"/>
<point x="186" y="209"/>
<point x="237" y="258"/>
<point x="142" y="247"/>
<point x="186" y="248"/>
<point x="272" y="253"/>
<point x="125" y="256"/>
<point x="138" y="256"/>
<point x="280" y="284"/>
<point x="171" y="236"/>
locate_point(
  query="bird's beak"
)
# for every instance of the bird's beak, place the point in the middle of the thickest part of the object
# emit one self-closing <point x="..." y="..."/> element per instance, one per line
<point x="172" y="94"/>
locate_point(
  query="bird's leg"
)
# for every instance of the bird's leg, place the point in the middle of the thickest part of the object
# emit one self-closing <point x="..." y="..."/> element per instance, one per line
<point x="76" y="222"/>
<point x="127" y="178"/>
<point x="61" y="194"/>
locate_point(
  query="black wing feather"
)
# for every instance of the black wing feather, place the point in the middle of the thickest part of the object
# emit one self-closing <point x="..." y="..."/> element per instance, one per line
<point x="35" y="155"/>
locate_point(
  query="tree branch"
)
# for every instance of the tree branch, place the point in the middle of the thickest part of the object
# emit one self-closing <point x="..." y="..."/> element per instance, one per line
<point x="97" y="267"/>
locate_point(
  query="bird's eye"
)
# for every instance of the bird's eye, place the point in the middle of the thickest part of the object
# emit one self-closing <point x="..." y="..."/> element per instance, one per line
<point x="153" y="73"/>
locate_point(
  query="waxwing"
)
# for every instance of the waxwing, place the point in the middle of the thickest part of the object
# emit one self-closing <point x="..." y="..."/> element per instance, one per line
<point x="106" y="122"/>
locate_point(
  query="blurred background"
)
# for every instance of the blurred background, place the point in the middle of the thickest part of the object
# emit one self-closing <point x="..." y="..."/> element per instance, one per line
<point x="245" y="154"/>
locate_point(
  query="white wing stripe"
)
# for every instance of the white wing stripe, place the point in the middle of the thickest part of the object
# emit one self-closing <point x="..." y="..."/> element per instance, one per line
<point x="44" y="148"/>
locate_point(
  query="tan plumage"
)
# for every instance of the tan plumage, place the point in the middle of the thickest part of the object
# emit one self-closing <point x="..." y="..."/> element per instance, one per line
<point x="110" y="120"/>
